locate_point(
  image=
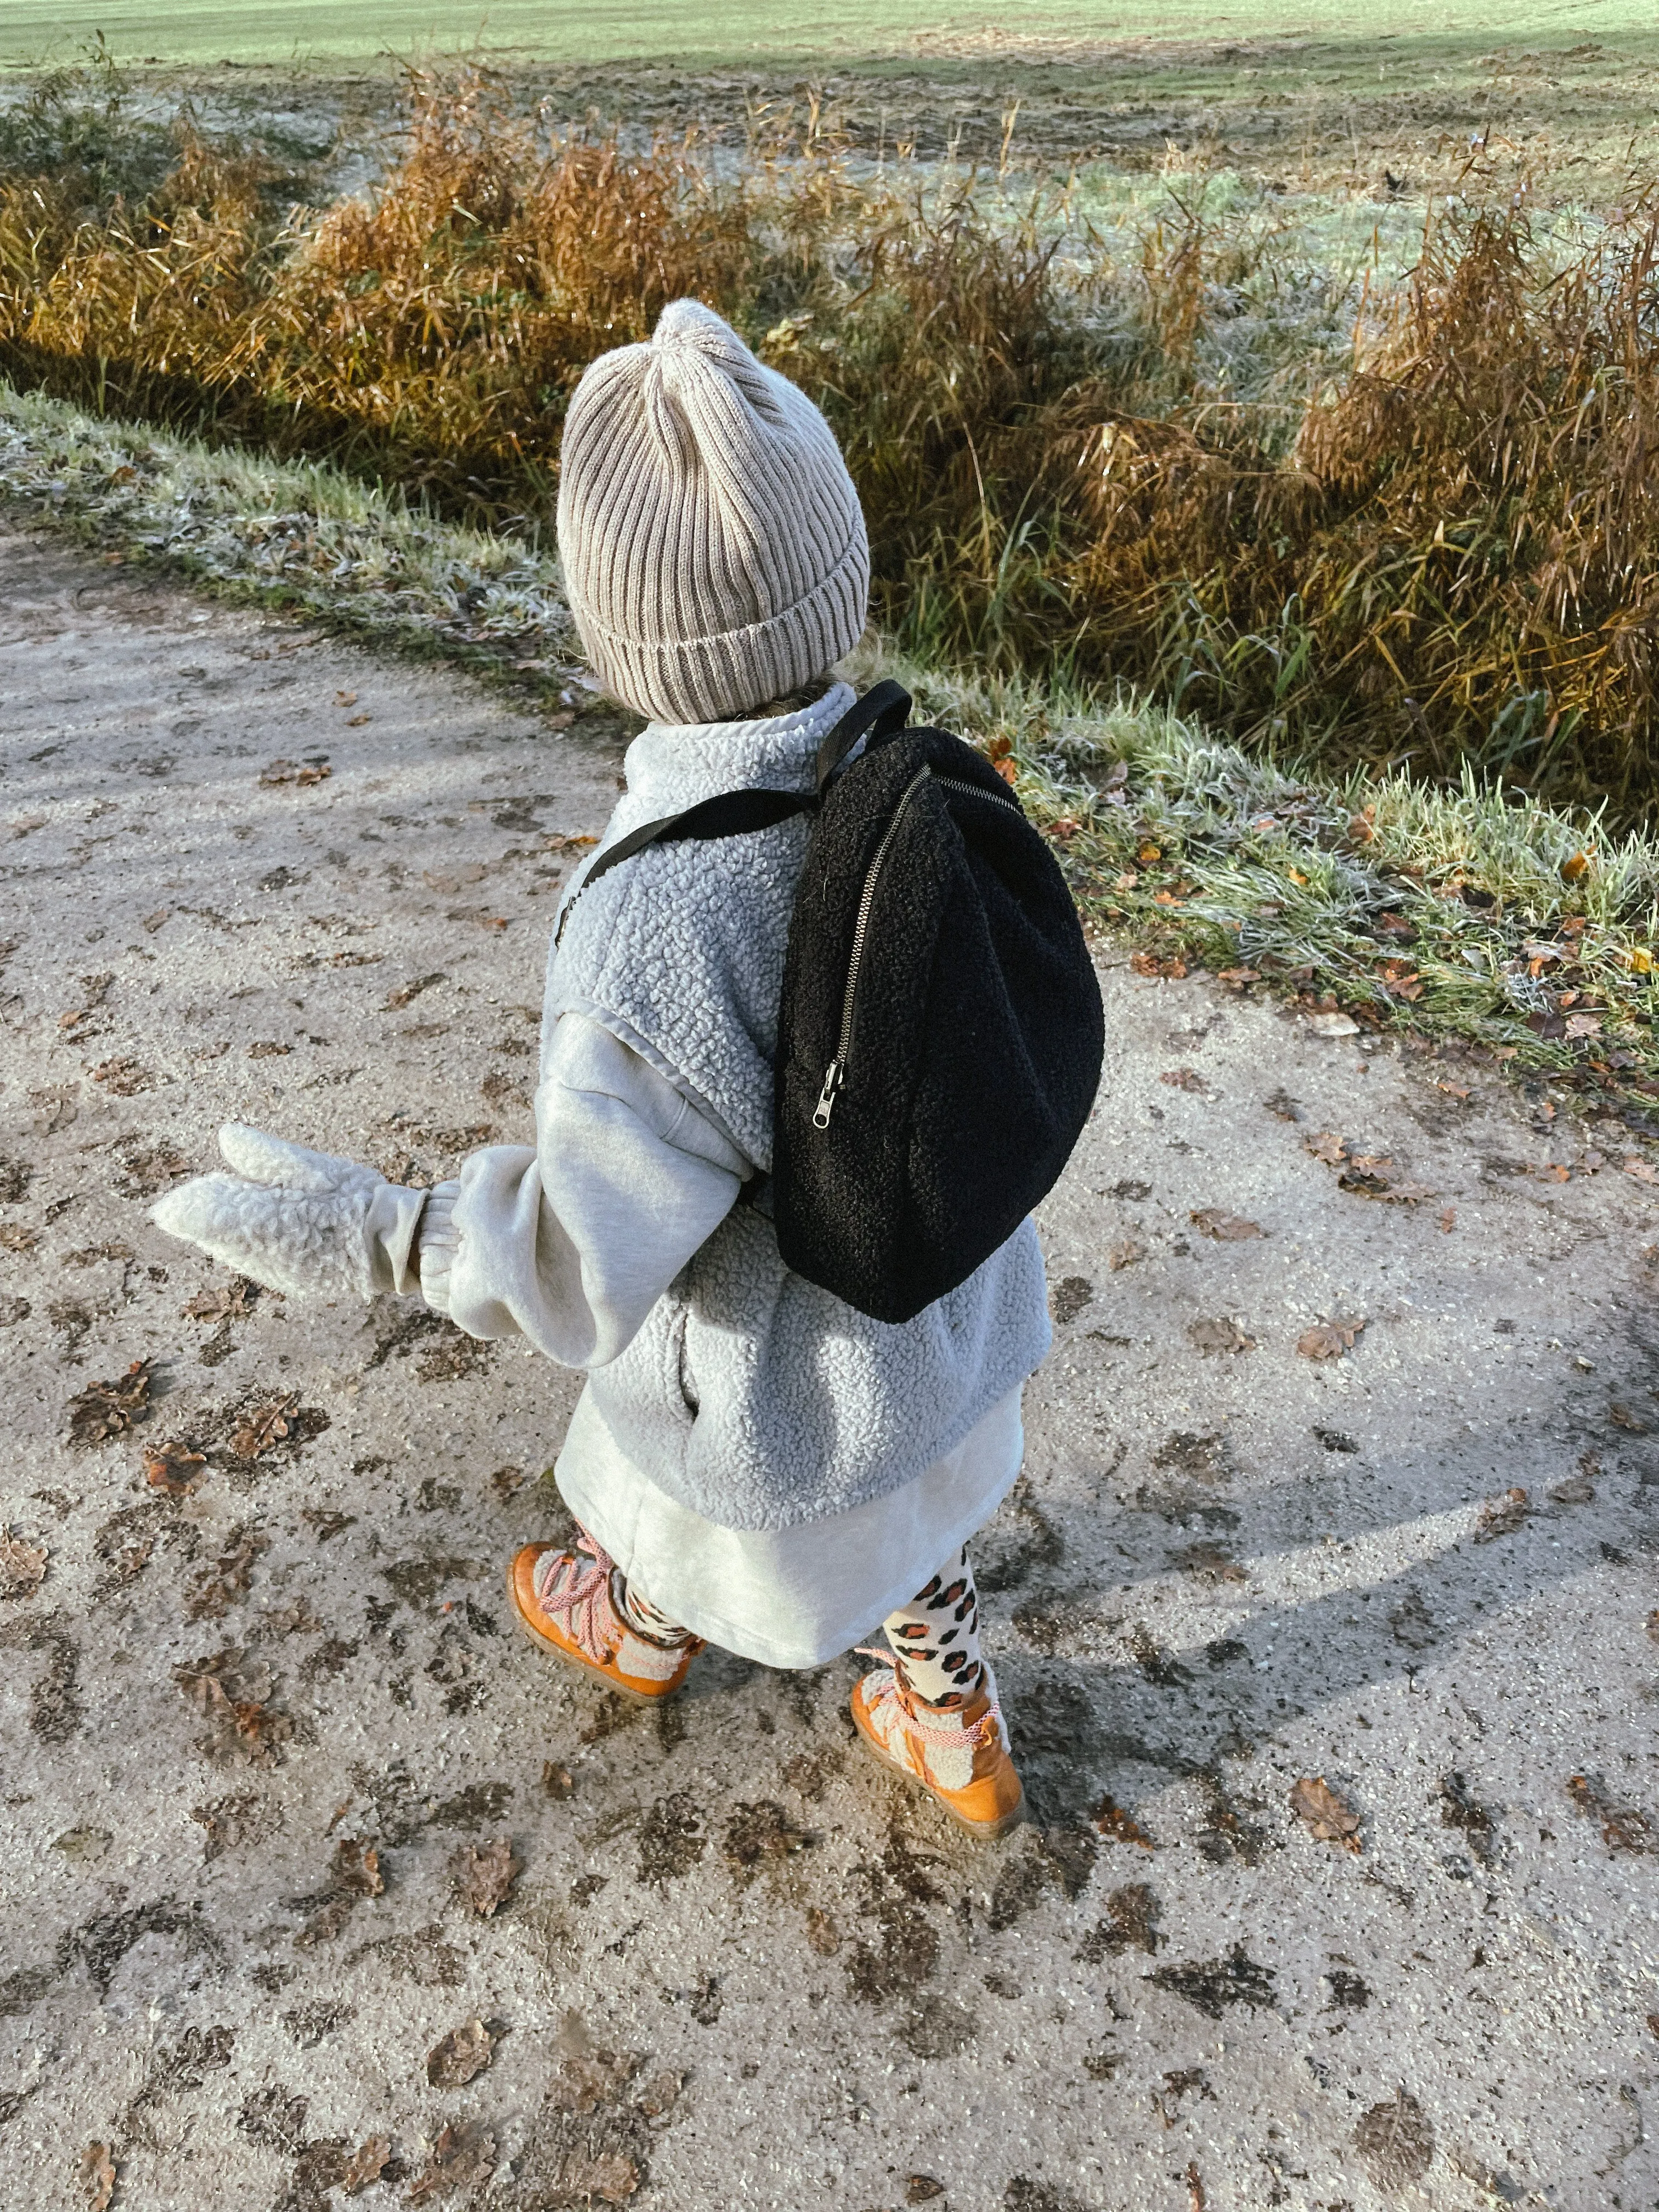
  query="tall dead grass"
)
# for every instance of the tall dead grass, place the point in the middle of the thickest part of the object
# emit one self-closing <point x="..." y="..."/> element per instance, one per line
<point x="1459" y="556"/>
<point x="430" y="334"/>
<point x="1454" y="558"/>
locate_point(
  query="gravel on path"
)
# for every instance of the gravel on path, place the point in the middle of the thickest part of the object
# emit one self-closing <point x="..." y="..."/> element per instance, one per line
<point x="1324" y="1612"/>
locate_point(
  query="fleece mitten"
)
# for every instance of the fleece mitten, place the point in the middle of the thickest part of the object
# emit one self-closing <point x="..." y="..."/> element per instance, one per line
<point x="300" y="1222"/>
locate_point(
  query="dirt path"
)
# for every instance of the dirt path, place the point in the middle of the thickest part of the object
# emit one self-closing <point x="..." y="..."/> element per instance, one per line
<point x="737" y="1966"/>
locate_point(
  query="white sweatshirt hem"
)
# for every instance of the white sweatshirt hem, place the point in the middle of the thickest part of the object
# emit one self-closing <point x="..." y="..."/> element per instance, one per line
<point x="790" y="1597"/>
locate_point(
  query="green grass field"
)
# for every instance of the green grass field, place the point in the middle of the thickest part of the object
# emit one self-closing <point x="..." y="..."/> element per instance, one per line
<point x="278" y="31"/>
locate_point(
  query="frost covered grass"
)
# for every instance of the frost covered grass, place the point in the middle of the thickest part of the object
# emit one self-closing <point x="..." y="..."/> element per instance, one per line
<point x="1458" y="913"/>
<point x="1461" y="913"/>
<point x="300" y="534"/>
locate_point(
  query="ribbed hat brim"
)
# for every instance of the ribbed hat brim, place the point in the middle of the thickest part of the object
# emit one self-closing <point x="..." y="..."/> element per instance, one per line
<point x="697" y="679"/>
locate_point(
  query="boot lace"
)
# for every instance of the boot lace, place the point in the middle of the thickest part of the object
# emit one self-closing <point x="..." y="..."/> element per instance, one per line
<point x="945" y="1729"/>
<point x="578" y="1595"/>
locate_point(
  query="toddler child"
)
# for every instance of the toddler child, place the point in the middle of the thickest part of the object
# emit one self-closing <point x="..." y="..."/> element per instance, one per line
<point x="753" y="1462"/>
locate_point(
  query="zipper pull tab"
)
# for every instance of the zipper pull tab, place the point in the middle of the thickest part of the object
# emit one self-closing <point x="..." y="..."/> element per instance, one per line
<point x="826" y="1105"/>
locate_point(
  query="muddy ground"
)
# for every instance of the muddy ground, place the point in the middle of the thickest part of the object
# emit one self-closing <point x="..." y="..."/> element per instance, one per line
<point x="317" y="1879"/>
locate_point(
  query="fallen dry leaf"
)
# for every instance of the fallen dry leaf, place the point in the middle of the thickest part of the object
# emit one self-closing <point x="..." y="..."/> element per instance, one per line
<point x="366" y="2165"/>
<point x="1225" y="1228"/>
<point x="1318" y="1806"/>
<point x="296" y="772"/>
<point x="461" y="2159"/>
<point x="357" y="1866"/>
<point x="22" y="1565"/>
<point x="1208" y="1562"/>
<point x="1149" y="963"/>
<point x="104" y="1410"/>
<point x="557" y="1781"/>
<point x="1623" y="1828"/>
<point x="1327" y="1147"/>
<point x="264" y="1427"/>
<point x="217" y="1587"/>
<point x="483" y="1875"/>
<point x="173" y="1468"/>
<point x="659" y="2094"/>
<point x="1396" y="2140"/>
<point x="1223" y="1335"/>
<point x="14" y="1237"/>
<point x="1448" y="1219"/>
<point x="148" y="1168"/>
<point x="354" y="1874"/>
<point x="1644" y="1170"/>
<point x="458" y="2057"/>
<point x="1183" y="1079"/>
<point x="1119" y="1826"/>
<point x="1370" y="1174"/>
<point x="125" y="1077"/>
<point x="591" y="2079"/>
<point x="1622" y="1418"/>
<point x="824" y="1937"/>
<point x="97" y="2177"/>
<point x="240" y="1725"/>
<point x="1069" y="1296"/>
<point x="409" y="992"/>
<point x="356" y="721"/>
<point x="610" y="2175"/>
<point x="1501" y="1516"/>
<point x="1330" y="1340"/>
<point x="1127" y="1253"/>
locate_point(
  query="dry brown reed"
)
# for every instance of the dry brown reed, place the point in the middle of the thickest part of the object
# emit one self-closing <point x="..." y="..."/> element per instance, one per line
<point x="431" y="334"/>
<point x="1459" y="557"/>
<point x="1455" y="559"/>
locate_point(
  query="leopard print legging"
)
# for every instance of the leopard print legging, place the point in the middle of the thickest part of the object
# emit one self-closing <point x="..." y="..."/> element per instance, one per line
<point x="935" y="1639"/>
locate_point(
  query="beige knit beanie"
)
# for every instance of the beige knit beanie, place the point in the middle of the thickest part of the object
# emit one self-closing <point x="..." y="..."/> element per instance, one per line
<point x="714" y="547"/>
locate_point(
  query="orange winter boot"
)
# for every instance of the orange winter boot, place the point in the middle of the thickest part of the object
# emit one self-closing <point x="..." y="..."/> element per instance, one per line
<point x="571" y="1606"/>
<point x="961" y="1757"/>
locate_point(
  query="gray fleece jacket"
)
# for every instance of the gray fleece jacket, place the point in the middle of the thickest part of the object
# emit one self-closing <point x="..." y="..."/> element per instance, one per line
<point x="749" y="1395"/>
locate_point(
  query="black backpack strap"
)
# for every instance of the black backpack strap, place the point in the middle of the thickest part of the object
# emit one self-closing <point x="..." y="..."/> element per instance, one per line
<point x="882" y="711"/>
<point x="729" y="814"/>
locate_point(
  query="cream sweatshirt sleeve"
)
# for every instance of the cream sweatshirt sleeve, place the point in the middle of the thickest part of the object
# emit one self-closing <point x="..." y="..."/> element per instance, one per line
<point x="571" y="1242"/>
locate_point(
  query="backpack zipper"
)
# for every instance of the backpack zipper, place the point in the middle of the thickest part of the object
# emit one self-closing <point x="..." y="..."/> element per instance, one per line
<point x="836" y="1074"/>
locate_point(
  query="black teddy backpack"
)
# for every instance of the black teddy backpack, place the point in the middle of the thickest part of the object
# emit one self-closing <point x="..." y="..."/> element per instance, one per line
<point x="941" y="1031"/>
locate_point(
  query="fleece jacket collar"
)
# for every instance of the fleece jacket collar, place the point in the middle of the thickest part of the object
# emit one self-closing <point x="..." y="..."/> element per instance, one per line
<point x="671" y="765"/>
